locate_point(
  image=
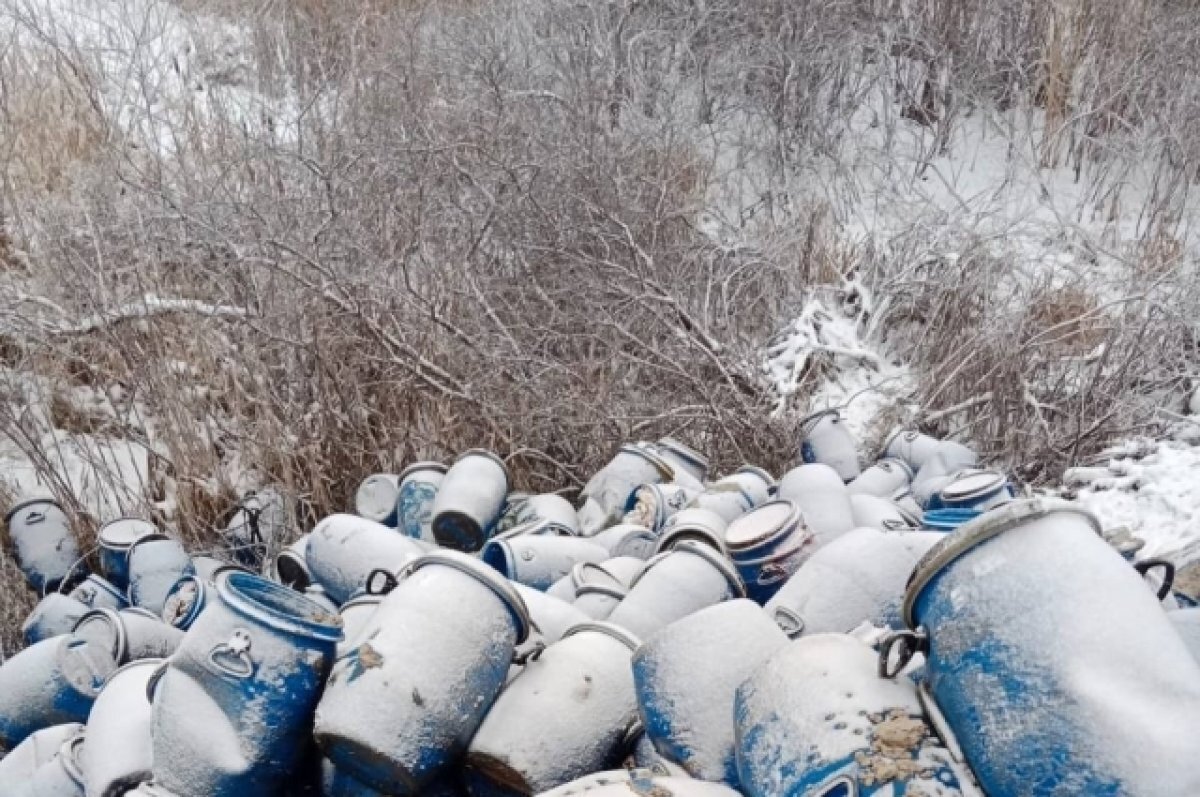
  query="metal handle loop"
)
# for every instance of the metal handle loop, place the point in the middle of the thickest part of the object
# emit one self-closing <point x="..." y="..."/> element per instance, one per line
<point x="1168" y="580"/>
<point x="906" y="644"/>
<point x="233" y="657"/>
<point x="533" y="654"/>
<point x="381" y="582"/>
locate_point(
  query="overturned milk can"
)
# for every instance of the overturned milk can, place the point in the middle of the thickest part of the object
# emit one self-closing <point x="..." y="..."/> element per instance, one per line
<point x="45" y="548"/>
<point x="687" y="578"/>
<point x="1030" y="621"/>
<point x="563" y="717"/>
<point x="687" y="674"/>
<point x="816" y="720"/>
<point x="767" y="546"/>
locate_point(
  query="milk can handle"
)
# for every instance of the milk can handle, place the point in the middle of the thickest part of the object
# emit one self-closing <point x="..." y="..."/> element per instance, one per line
<point x="907" y="644"/>
<point x="35" y="517"/>
<point x="233" y="657"/>
<point x="1168" y="580"/>
<point x="788" y="621"/>
<point x="533" y="654"/>
<point x="381" y="582"/>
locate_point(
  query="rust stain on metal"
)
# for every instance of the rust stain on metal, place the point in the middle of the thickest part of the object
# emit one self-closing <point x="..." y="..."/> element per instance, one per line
<point x="896" y="741"/>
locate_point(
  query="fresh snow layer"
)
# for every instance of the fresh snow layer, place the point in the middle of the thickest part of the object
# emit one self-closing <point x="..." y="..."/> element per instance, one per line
<point x="1148" y="487"/>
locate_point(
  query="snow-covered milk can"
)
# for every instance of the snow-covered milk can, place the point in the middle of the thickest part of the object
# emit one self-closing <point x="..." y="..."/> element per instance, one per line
<point x="816" y="720"/>
<point x="1030" y="621"/>
<point x="873" y="512"/>
<point x="245" y="681"/>
<point x="538" y="560"/>
<point x="54" y="614"/>
<point x="41" y="537"/>
<point x="60" y="776"/>
<point x="825" y="439"/>
<point x="469" y="500"/>
<point x="344" y="550"/>
<point x="99" y="593"/>
<point x="627" y="539"/>
<point x="419" y="484"/>
<point x="564" y="716"/>
<point x="103" y="640"/>
<point x="116" y="537"/>
<point x="973" y="489"/>
<point x="39" y="747"/>
<point x="882" y="479"/>
<point x="767" y="546"/>
<point x="685" y="579"/>
<point x="689" y="465"/>
<point x="35" y="693"/>
<point x="403" y="704"/>
<point x="687" y="674"/>
<point x="119" y="752"/>
<point x="376" y="498"/>
<point x="156" y="564"/>
<point x="693" y="524"/>
<point x="652" y="505"/>
<point x="911" y="447"/>
<point x="606" y="495"/>
<point x="857" y="578"/>
<point x="823" y="500"/>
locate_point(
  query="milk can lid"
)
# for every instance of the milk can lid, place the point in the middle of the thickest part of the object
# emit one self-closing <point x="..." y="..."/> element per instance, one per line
<point x="415" y="467"/>
<point x="761" y="523"/>
<point x="29" y="501"/>
<point x="125" y="531"/>
<point x="973" y="483"/>
<point x="978" y="531"/>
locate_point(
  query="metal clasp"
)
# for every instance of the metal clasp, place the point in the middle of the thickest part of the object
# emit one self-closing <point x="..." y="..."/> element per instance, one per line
<point x="905" y="644"/>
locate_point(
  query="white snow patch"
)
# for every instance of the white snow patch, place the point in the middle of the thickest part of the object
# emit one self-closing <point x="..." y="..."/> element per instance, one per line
<point x="157" y="72"/>
<point x="857" y="374"/>
<point x="1150" y="488"/>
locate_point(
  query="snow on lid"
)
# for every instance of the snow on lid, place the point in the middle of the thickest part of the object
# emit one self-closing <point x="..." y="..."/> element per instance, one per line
<point x="124" y="532"/>
<point x="376" y="496"/>
<point x="760" y="524"/>
<point x="974" y="483"/>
